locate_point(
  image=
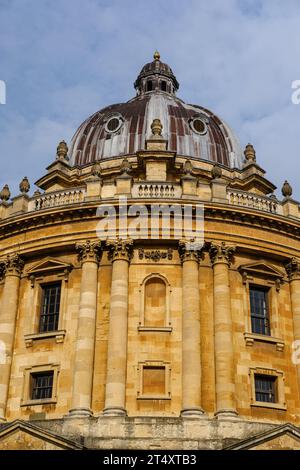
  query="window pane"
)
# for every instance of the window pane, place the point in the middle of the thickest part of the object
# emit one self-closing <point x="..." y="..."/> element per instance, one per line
<point x="265" y="389"/>
<point x="41" y="385"/>
<point x="259" y="311"/>
<point x="50" y="308"/>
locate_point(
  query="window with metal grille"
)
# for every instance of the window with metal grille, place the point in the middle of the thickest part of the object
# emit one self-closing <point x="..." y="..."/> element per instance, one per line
<point x="260" y="322"/>
<point x="41" y="385"/>
<point x="265" y="388"/>
<point x="50" y="308"/>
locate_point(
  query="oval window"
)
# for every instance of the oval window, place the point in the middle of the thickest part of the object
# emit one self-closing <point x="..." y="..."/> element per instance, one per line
<point x="198" y="126"/>
<point x="113" y="124"/>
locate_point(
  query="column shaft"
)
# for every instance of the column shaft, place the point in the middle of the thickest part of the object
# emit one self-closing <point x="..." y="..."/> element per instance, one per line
<point x="191" y="352"/>
<point x="85" y="342"/>
<point x="115" y="393"/>
<point x="295" y="300"/>
<point x="9" y="308"/>
<point x="293" y="270"/>
<point x="224" y="355"/>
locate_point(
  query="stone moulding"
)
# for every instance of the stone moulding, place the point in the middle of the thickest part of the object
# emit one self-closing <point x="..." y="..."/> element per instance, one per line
<point x="49" y="265"/>
<point x="236" y="214"/>
<point x="250" y="338"/>
<point x="155" y="255"/>
<point x="59" y="336"/>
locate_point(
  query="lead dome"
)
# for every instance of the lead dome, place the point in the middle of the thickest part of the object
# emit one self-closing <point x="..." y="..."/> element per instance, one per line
<point x="122" y="129"/>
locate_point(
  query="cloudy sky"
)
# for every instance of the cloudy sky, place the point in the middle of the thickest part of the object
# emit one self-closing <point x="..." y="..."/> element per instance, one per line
<point x="64" y="59"/>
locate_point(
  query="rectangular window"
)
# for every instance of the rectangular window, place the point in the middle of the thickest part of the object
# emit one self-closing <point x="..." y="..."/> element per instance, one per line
<point x="259" y="310"/>
<point x="41" y="385"/>
<point x="265" y="389"/>
<point x="154" y="380"/>
<point x="50" y="308"/>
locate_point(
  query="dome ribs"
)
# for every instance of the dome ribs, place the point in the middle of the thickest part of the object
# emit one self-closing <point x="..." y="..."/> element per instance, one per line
<point x="92" y="142"/>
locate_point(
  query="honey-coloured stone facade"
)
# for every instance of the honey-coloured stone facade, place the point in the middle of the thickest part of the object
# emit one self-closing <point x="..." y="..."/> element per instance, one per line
<point x="154" y="346"/>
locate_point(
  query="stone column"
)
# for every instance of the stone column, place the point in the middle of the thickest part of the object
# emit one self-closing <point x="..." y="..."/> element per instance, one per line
<point x="221" y="256"/>
<point x="89" y="254"/>
<point x="12" y="269"/>
<point x="120" y="254"/>
<point x="191" y="352"/>
<point x="293" y="271"/>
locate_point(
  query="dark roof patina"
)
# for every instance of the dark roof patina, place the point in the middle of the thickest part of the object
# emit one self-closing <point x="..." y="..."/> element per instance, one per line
<point x="93" y="142"/>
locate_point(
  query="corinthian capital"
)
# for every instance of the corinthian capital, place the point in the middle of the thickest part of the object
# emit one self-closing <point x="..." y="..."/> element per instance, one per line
<point x="12" y="265"/>
<point x="189" y="251"/>
<point x="221" y="253"/>
<point x="120" y="249"/>
<point x="293" y="269"/>
<point x="89" y="251"/>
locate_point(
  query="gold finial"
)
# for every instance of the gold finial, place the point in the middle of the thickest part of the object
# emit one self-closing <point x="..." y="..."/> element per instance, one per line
<point x="156" y="55"/>
<point x="156" y="127"/>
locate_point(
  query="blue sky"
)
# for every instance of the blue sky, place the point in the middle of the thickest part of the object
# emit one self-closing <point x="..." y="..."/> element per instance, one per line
<point x="62" y="60"/>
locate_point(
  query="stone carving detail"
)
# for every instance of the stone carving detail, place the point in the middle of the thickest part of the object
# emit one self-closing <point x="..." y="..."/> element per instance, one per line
<point x="89" y="251"/>
<point x="62" y="151"/>
<point x="287" y="189"/>
<point x="189" y="252"/>
<point x="188" y="168"/>
<point x="156" y="127"/>
<point x="12" y="265"/>
<point x="120" y="249"/>
<point x="249" y="153"/>
<point x="24" y="185"/>
<point x="125" y="167"/>
<point x="221" y="253"/>
<point x="293" y="269"/>
<point x="96" y="170"/>
<point x="5" y="193"/>
<point x="216" y="172"/>
<point x="156" y="255"/>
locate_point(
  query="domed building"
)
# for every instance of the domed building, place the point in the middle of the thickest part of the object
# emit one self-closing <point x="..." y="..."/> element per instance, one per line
<point x="150" y="288"/>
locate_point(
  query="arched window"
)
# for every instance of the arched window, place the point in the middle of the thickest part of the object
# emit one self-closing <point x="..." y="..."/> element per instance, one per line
<point x="155" y="302"/>
<point x="155" y="299"/>
<point x="163" y="86"/>
<point x="149" y="85"/>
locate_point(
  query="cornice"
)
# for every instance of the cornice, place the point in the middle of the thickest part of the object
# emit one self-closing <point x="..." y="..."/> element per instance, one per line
<point x="87" y="210"/>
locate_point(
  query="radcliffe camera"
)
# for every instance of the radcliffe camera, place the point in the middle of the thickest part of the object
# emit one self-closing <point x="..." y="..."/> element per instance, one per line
<point x="149" y="231"/>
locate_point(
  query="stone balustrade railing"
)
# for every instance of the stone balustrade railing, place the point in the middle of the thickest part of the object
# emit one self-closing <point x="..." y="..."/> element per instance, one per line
<point x="156" y="190"/>
<point x="59" y="198"/>
<point x="146" y="190"/>
<point x="253" y="201"/>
